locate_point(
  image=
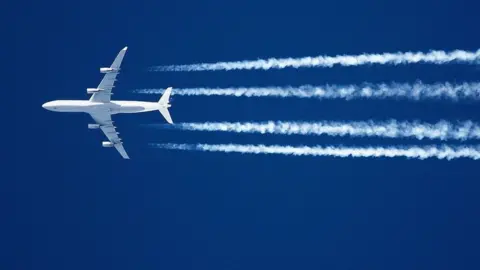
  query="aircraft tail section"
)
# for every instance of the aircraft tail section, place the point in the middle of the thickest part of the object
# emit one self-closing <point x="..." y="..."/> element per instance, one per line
<point x="166" y="114"/>
<point x="166" y="96"/>
<point x="164" y="105"/>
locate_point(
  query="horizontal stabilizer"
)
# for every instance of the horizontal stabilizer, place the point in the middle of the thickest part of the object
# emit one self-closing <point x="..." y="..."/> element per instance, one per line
<point x="166" y="114"/>
<point x="166" y="96"/>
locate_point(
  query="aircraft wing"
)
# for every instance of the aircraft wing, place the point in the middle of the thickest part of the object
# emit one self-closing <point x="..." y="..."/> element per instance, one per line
<point x="108" y="81"/>
<point x="104" y="119"/>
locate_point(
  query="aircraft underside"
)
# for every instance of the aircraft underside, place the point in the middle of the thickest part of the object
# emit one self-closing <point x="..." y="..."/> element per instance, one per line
<point x="101" y="107"/>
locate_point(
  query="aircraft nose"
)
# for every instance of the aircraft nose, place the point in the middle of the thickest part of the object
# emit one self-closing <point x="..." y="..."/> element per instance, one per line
<point x="47" y="105"/>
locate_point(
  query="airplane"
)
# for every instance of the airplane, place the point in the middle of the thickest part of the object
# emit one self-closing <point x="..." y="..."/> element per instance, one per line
<point x="101" y="107"/>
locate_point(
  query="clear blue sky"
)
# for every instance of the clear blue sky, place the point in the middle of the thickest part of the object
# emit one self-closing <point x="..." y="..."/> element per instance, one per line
<point x="71" y="204"/>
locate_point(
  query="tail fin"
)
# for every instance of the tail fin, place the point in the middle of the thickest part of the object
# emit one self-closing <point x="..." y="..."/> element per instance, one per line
<point x="164" y="105"/>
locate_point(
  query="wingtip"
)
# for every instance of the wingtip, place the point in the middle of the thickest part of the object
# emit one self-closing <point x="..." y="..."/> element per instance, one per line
<point x="124" y="49"/>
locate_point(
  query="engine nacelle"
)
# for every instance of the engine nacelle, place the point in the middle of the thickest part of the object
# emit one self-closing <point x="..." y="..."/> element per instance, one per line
<point x="107" y="144"/>
<point x="93" y="126"/>
<point x="93" y="90"/>
<point x="108" y="70"/>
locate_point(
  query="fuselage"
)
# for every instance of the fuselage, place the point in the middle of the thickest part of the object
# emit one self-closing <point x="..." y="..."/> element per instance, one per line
<point x="114" y="106"/>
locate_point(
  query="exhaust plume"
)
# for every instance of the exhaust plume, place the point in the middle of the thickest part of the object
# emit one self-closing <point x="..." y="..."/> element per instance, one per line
<point x="432" y="57"/>
<point x="414" y="152"/>
<point x="416" y="91"/>
<point x="441" y="130"/>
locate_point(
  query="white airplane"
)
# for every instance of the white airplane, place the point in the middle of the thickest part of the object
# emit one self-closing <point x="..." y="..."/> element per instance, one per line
<point x="101" y="107"/>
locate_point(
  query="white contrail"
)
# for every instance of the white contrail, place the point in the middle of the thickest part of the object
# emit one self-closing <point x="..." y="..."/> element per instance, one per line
<point x="441" y="130"/>
<point x="418" y="152"/>
<point x="432" y="57"/>
<point x="416" y="91"/>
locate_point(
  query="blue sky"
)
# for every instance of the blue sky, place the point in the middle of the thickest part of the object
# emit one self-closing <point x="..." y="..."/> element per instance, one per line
<point x="71" y="204"/>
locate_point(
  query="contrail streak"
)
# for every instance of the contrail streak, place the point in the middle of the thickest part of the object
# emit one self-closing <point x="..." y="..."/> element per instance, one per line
<point x="416" y="91"/>
<point x="432" y="57"/>
<point x="441" y="130"/>
<point x="417" y="152"/>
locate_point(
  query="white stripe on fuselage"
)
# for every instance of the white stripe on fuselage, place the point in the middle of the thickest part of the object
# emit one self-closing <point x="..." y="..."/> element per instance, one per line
<point x="114" y="107"/>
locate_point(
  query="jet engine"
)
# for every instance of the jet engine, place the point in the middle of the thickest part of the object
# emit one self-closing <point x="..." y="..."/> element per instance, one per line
<point x="93" y="126"/>
<point x="93" y="90"/>
<point x="107" y="144"/>
<point x="108" y="70"/>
